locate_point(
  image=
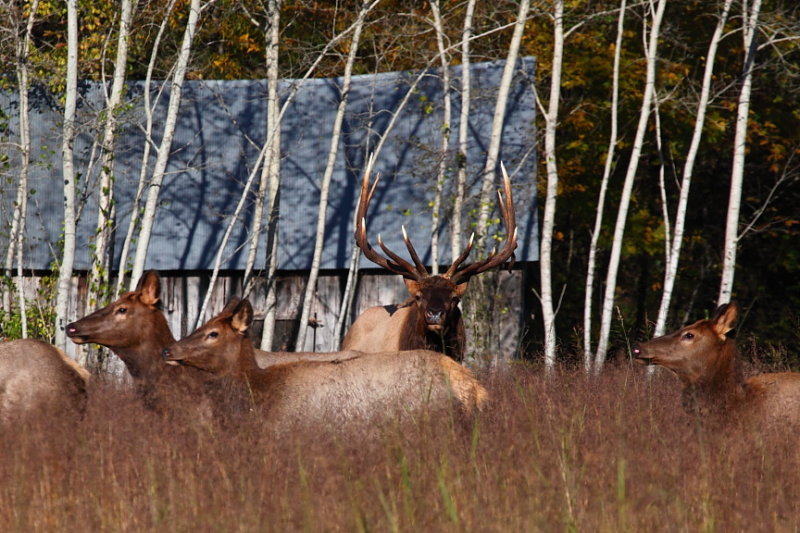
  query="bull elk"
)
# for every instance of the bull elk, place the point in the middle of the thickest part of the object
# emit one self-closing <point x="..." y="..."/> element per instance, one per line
<point x="134" y="328"/>
<point x="315" y="392"/>
<point x="38" y="377"/>
<point x="706" y="361"/>
<point x="430" y="319"/>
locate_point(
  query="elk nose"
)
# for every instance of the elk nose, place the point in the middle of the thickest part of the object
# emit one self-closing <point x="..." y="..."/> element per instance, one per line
<point x="71" y="329"/>
<point x="434" y="316"/>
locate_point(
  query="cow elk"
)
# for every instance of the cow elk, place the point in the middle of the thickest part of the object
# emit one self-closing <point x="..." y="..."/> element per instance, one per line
<point x="430" y="319"/>
<point x="323" y="393"/>
<point x="134" y="328"/>
<point x="706" y="361"/>
<point x="36" y="377"/>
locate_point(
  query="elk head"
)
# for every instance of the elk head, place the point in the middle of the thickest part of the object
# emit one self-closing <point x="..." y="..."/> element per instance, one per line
<point x="700" y="353"/>
<point x="220" y="346"/>
<point x="436" y="297"/>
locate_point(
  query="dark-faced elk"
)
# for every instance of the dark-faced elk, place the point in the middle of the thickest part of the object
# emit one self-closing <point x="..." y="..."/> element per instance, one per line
<point x="134" y="328"/>
<point x="430" y="319"/>
<point x="706" y="361"/>
<point x="313" y="392"/>
<point x="38" y="377"/>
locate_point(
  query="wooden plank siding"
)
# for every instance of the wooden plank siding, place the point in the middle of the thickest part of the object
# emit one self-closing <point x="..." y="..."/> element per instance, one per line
<point x="493" y="308"/>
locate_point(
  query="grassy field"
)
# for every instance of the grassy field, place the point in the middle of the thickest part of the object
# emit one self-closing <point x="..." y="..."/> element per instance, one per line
<point x="566" y="453"/>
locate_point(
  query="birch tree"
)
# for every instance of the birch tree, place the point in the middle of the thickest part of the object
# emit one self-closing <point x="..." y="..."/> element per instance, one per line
<point x="674" y="247"/>
<point x="493" y="150"/>
<point x="588" y="355"/>
<point x="548" y="218"/>
<point x="68" y="175"/>
<point x="17" y="236"/>
<point x="100" y="261"/>
<point x="656" y="15"/>
<point x="463" y="132"/>
<point x="274" y="162"/>
<point x="739" y="148"/>
<point x="311" y="285"/>
<point x="444" y="60"/>
<point x="148" y="108"/>
<point x="163" y="152"/>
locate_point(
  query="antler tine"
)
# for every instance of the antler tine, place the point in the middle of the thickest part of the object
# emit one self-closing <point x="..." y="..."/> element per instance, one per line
<point x="460" y="259"/>
<point x="396" y="264"/>
<point x="408" y="270"/>
<point x="508" y="215"/>
<point x="413" y="253"/>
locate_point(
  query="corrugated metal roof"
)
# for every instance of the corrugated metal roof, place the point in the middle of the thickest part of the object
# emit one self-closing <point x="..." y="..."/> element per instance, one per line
<point x="220" y="129"/>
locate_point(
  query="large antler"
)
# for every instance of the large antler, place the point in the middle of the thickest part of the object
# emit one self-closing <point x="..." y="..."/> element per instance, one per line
<point x="394" y="263"/>
<point x="509" y="220"/>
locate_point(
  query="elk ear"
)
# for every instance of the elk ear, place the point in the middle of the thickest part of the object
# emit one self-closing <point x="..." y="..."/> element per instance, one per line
<point x="149" y="288"/>
<point x="460" y="289"/>
<point x="412" y="285"/>
<point x="242" y="316"/>
<point x="724" y="319"/>
<point x="231" y="305"/>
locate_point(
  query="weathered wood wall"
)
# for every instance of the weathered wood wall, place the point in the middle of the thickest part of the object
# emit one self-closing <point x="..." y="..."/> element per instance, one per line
<point x="493" y="307"/>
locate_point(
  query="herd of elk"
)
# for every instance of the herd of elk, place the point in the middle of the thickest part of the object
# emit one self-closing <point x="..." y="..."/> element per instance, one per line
<point x="134" y="328"/>
<point x="705" y="359"/>
<point x="430" y="319"/>
<point x="36" y="377"/>
<point x="314" y="392"/>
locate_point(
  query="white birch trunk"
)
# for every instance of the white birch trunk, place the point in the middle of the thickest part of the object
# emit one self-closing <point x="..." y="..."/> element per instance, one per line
<point x="148" y="135"/>
<point x="99" y="273"/>
<point x="274" y="162"/>
<point x="657" y="14"/>
<point x="548" y="218"/>
<point x="456" y="230"/>
<point x="588" y="355"/>
<point x="17" y="236"/>
<point x="68" y="169"/>
<point x="493" y="151"/>
<point x="271" y="57"/>
<point x="148" y="217"/>
<point x="671" y="270"/>
<point x="311" y="285"/>
<point x="739" y="149"/>
<point x="446" y="121"/>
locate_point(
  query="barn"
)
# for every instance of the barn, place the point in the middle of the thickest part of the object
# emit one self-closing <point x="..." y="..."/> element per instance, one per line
<point x="222" y="125"/>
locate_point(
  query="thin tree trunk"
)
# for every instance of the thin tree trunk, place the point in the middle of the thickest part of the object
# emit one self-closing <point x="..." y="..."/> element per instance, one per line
<point x="311" y="285"/>
<point x="456" y="230"/>
<point x="149" y="215"/>
<point x="493" y="151"/>
<point x="68" y="169"/>
<point x="148" y="135"/>
<point x="271" y="57"/>
<point x="671" y="270"/>
<point x="274" y="174"/>
<point x="588" y="356"/>
<point x="17" y="236"/>
<point x="99" y="273"/>
<point x="548" y="219"/>
<point x="657" y="14"/>
<point x="446" y="121"/>
<point x="739" y="149"/>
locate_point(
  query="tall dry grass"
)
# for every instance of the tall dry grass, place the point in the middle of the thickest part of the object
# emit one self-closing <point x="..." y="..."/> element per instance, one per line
<point x="566" y="453"/>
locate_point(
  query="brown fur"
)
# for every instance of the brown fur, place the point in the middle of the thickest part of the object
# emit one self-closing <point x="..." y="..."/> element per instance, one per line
<point x="35" y="376"/>
<point x="358" y="388"/>
<point x="405" y="327"/>
<point x="706" y="361"/>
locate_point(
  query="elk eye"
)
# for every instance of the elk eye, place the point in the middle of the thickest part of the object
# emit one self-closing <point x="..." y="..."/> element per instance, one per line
<point x="212" y="335"/>
<point x="121" y="310"/>
<point x="688" y="336"/>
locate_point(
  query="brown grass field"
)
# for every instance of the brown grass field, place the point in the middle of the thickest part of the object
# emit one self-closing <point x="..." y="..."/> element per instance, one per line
<point x="612" y="453"/>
